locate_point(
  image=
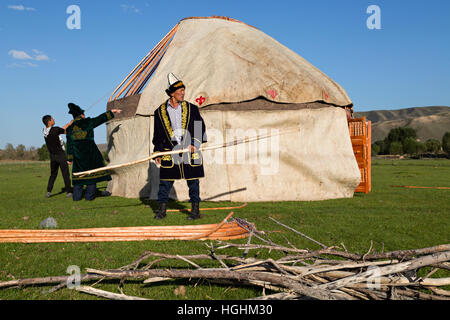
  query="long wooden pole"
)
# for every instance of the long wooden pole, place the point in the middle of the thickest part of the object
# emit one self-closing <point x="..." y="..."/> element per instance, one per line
<point x="203" y="148"/>
<point x="141" y="63"/>
<point x="205" y="235"/>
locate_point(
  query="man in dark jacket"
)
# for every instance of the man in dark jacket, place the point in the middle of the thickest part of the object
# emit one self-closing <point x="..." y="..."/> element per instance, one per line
<point x="84" y="153"/>
<point x="178" y="125"/>
<point x="55" y="146"/>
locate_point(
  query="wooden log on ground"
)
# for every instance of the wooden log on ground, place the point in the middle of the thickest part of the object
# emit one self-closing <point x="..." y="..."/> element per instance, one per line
<point x="46" y="280"/>
<point x="371" y="275"/>
<point x="106" y="294"/>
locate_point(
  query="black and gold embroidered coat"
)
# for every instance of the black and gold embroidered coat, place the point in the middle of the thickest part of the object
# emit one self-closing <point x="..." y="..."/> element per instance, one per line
<point x="82" y="150"/>
<point x="186" y="165"/>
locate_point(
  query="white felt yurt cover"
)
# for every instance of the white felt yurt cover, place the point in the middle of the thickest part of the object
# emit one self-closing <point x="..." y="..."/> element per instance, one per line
<point x="227" y="61"/>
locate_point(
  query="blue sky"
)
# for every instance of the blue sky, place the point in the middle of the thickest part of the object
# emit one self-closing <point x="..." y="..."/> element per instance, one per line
<point x="44" y="65"/>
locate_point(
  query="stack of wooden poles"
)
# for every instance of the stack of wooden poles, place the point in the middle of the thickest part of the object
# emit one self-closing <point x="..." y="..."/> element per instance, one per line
<point x="221" y="231"/>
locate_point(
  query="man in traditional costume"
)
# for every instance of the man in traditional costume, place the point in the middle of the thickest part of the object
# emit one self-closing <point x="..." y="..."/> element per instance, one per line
<point x="83" y="152"/>
<point x="56" y="149"/>
<point x="178" y="125"/>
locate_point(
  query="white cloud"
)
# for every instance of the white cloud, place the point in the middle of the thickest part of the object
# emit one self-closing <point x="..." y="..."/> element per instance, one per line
<point x="15" y="65"/>
<point x="20" y="8"/>
<point x="128" y="8"/>
<point x="30" y="64"/>
<point x="22" y="65"/>
<point x="21" y="55"/>
<point x="40" y="56"/>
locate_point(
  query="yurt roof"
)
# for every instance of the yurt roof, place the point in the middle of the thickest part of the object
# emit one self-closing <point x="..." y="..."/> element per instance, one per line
<point x="222" y="60"/>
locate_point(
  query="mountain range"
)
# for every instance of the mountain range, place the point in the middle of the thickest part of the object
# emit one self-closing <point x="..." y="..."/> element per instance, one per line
<point x="429" y="122"/>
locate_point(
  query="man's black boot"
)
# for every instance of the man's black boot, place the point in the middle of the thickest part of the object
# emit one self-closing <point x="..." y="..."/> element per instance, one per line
<point x="161" y="213"/>
<point x="194" y="214"/>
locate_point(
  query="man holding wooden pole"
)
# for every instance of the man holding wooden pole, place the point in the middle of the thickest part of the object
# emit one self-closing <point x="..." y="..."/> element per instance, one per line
<point x="178" y="125"/>
<point x="83" y="151"/>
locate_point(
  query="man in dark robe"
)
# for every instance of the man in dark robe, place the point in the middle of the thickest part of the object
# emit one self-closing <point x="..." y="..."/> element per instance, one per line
<point x="83" y="152"/>
<point x="178" y="125"/>
<point x="56" y="149"/>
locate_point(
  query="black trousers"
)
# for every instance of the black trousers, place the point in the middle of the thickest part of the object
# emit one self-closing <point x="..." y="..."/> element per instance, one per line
<point x="166" y="186"/>
<point x="59" y="160"/>
<point x="89" y="195"/>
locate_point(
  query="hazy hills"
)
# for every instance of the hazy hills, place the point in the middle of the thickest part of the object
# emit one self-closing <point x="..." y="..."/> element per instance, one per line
<point x="429" y="122"/>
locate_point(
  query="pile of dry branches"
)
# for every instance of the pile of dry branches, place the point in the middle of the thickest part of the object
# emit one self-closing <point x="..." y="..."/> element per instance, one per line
<point x="329" y="273"/>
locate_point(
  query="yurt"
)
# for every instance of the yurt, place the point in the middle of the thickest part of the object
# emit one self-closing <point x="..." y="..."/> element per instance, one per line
<point x="246" y="84"/>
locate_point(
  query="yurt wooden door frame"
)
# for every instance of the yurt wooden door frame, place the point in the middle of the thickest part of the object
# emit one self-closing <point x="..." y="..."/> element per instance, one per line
<point x="360" y="135"/>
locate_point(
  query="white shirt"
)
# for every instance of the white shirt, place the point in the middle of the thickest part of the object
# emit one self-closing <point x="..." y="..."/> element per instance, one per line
<point x="175" y="120"/>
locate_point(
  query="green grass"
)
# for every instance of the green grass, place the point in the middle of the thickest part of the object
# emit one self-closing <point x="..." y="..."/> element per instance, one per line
<point x="393" y="218"/>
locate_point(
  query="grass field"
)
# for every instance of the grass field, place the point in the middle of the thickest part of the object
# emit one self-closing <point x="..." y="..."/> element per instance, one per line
<point x="393" y="218"/>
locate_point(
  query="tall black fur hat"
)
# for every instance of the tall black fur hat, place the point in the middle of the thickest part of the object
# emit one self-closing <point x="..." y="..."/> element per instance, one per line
<point x="75" y="110"/>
